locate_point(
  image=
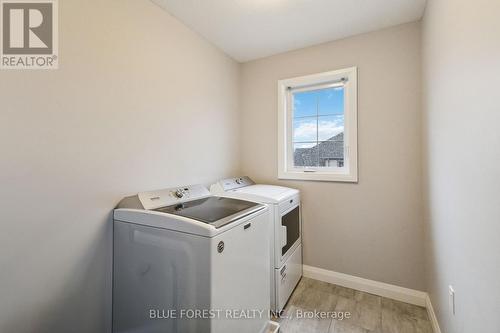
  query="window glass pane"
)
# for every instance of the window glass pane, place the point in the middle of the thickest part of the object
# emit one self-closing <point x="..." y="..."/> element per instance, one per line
<point x="305" y="104"/>
<point x="318" y="128"/>
<point x="331" y="152"/>
<point x="305" y="129"/>
<point x="331" y="101"/>
<point x="330" y="126"/>
<point x="305" y="154"/>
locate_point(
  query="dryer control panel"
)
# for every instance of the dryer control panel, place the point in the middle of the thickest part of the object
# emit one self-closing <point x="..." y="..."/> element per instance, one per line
<point x="235" y="183"/>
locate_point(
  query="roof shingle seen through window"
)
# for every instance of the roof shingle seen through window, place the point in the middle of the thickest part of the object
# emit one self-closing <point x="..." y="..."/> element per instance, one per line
<point x="318" y="155"/>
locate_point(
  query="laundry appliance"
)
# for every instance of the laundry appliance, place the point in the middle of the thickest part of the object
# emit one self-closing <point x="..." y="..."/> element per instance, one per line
<point x="189" y="262"/>
<point x="285" y="230"/>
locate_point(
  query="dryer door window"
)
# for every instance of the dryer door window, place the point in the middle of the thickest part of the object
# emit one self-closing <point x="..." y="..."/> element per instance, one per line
<point x="290" y="224"/>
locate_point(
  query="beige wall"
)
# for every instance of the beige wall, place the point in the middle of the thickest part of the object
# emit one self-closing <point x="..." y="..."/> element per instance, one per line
<point x="372" y="229"/>
<point x="139" y="102"/>
<point x="461" y="43"/>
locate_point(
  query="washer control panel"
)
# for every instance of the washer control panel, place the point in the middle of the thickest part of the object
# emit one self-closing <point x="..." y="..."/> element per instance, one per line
<point x="172" y="196"/>
<point x="181" y="192"/>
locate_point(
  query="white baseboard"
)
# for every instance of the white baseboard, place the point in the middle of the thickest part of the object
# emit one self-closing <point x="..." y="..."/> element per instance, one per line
<point x="432" y="315"/>
<point x="406" y="295"/>
<point x="391" y="291"/>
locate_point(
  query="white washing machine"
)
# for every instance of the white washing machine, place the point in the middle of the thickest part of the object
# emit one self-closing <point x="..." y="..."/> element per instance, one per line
<point x="188" y="261"/>
<point x="285" y="231"/>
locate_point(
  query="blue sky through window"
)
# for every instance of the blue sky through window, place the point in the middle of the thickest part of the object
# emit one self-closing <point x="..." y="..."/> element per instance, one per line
<point x="318" y="115"/>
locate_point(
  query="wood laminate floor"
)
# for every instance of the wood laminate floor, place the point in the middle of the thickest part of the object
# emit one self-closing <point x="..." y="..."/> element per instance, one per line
<point x="369" y="313"/>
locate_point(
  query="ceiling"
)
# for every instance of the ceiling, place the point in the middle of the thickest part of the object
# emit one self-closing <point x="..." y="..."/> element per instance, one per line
<point x="252" y="29"/>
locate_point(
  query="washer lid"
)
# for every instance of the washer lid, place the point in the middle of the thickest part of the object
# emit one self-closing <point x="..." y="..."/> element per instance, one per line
<point x="266" y="193"/>
<point x="191" y="209"/>
<point x="216" y="211"/>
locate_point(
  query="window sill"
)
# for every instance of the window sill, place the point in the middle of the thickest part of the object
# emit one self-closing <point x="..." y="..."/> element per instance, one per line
<point x="318" y="176"/>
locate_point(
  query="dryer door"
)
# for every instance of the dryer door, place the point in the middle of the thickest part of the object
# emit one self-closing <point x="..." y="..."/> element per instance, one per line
<point x="290" y="224"/>
<point x="288" y="231"/>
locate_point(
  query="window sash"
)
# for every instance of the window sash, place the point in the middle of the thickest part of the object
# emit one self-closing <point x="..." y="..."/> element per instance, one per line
<point x="286" y="168"/>
<point x="290" y="132"/>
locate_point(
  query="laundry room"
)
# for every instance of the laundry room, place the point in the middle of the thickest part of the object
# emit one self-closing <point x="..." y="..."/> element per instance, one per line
<point x="216" y="166"/>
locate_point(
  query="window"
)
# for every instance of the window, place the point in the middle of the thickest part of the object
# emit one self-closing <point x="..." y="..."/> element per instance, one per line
<point x="317" y="127"/>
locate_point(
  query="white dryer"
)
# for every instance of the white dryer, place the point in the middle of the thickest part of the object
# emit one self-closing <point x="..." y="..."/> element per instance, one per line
<point x="186" y="261"/>
<point x="286" y="231"/>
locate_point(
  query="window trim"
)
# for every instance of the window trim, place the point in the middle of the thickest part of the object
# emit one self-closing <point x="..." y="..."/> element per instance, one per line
<point x="348" y="173"/>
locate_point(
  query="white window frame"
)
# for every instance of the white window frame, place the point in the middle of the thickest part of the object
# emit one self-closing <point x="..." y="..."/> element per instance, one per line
<point x="286" y="170"/>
